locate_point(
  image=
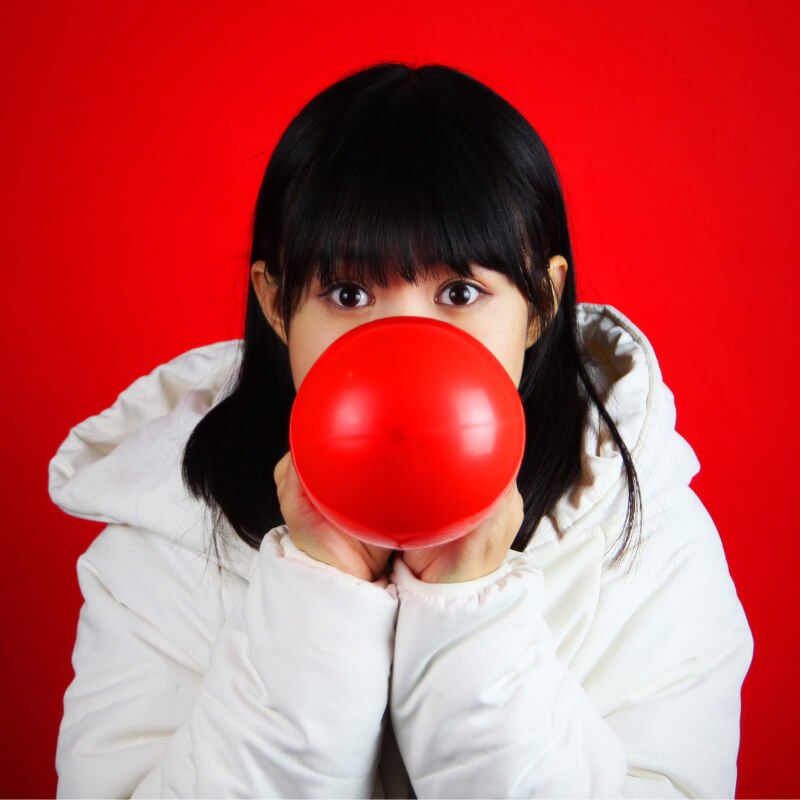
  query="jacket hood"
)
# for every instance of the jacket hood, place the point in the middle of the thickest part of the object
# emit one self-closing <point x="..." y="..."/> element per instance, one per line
<point x="123" y="465"/>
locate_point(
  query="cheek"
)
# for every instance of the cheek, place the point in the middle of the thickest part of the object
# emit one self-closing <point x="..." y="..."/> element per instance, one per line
<point x="305" y="347"/>
<point x="509" y="351"/>
<point x="513" y="364"/>
<point x="302" y="356"/>
<point x="298" y="369"/>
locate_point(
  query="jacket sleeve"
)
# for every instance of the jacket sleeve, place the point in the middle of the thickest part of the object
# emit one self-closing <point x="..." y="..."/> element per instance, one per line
<point x="638" y="695"/>
<point x="187" y="685"/>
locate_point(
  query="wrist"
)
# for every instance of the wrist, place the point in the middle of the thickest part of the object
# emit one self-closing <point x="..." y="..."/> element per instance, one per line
<point x="403" y="575"/>
<point x="349" y="563"/>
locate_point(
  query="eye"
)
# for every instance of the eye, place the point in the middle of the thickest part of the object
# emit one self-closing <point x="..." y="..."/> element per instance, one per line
<point x="350" y="295"/>
<point x="459" y="294"/>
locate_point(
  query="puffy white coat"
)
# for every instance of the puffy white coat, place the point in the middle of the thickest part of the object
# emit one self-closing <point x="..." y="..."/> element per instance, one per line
<point x="278" y="675"/>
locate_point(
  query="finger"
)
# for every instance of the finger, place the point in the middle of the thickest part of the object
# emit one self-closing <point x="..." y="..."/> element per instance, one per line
<point x="518" y="511"/>
<point x="290" y="474"/>
<point x="507" y="521"/>
<point x="511" y="521"/>
<point x="281" y="467"/>
<point x="503" y="513"/>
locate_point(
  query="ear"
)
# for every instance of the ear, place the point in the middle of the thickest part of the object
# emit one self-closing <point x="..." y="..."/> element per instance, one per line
<point x="558" y="276"/>
<point x="266" y="291"/>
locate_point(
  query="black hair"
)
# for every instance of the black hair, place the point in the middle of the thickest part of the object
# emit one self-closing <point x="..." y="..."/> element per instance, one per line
<point x="403" y="168"/>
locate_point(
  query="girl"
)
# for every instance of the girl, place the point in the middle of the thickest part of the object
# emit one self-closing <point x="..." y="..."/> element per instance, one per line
<point x="586" y="639"/>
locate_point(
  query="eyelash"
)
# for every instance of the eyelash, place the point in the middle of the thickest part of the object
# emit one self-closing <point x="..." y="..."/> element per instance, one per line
<point x="333" y="287"/>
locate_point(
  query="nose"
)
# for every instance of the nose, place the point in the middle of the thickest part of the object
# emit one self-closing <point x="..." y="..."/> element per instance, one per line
<point x="407" y="300"/>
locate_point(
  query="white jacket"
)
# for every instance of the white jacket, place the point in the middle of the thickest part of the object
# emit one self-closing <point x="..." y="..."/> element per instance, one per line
<point x="274" y="675"/>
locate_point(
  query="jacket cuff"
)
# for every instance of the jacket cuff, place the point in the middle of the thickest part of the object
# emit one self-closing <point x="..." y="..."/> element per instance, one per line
<point x="407" y="583"/>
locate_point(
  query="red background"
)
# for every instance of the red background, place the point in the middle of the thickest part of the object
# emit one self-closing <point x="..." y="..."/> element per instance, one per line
<point x="135" y="138"/>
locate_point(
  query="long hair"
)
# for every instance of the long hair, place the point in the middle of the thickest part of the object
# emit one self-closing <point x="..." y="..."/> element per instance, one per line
<point x="403" y="168"/>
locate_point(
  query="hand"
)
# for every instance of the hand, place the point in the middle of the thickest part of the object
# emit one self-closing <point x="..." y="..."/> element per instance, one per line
<point x="317" y="537"/>
<point x="476" y="553"/>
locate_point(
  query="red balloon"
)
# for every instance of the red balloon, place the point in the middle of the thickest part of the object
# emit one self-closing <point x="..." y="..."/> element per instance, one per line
<point x="407" y="432"/>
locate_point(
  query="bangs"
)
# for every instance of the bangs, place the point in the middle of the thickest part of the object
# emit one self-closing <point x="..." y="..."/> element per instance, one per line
<point x="405" y="189"/>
